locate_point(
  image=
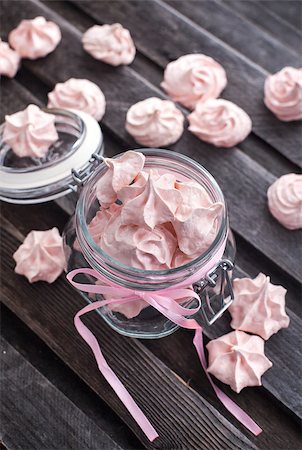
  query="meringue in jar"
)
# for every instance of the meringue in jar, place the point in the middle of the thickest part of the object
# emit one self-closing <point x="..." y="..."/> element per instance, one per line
<point x="133" y="226"/>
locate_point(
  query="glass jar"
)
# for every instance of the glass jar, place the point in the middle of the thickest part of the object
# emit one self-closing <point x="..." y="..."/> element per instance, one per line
<point x="144" y="321"/>
<point x="69" y="160"/>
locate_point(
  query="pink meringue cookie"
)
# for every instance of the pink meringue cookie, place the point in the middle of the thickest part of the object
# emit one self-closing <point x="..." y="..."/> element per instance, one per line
<point x="259" y="306"/>
<point x="100" y="221"/>
<point x="156" y="204"/>
<point x="137" y="246"/>
<point x="220" y="122"/>
<point x="180" y="259"/>
<point x="194" y="78"/>
<point x="80" y="94"/>
<point x="285" y="200"/>
<point x="129" y="310"/>
<point x="238" y="359"/>
<point x="136" y="188"/>
<point x="121" y="172"/>
<point x="154" y="122"/>
<point x="197" y="232"/>
<point x="9" y="60"/>
<point x="111" y="44"/>
<point x="193" y="195"/>
<point x="35" y="38"/>
<point x="283" y="94"/>
<point x="41" y="256"/>
<point x="30" y="132"/>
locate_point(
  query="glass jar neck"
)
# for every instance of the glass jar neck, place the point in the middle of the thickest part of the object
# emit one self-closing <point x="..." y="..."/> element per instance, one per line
<point x="184" y="169"/>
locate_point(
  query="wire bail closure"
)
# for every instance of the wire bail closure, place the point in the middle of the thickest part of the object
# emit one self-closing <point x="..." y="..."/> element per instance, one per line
<point x="219" y="281"/>
<point x="81" y="177"/>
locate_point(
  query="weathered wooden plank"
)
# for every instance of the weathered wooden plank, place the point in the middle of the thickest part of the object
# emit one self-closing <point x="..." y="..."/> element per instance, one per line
<point x="52" y="321"/>
<point x="40" y="356"/>
<point x="291" y="11"/>
<point x="236" y="166"/>
<point x="253" y="42"/>
<point x="263" y="16"/>
<point x="278" y="381"/>
<point x="255" y="147"/>
<point x="57" y="422"/>
<point x="163" y="34"/>
<point x="16" y="98"/>
<point x="177" y="351"/>
<point x="284" y="349"/>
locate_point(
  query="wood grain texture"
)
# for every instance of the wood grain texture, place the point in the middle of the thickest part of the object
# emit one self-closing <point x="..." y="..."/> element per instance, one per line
<point x="254" y="147"/>
<point x="291" y="11"/>
<point x="183" y="358"/>
<point x="255" y="224"/>
<point x="279" y="430"/>
<point x="284" y="349"/>
<point x="262" y="15"/>
<point x="163" y="34"/>
<point x="57" y="423"/>
<point x="51" y="318"/>
<point x="231" y="28"/>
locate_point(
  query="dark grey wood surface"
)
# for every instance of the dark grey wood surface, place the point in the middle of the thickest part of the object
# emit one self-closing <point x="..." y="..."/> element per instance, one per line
<point x="164" y="31"/>
<point x="178" y="422"/>
<point x="255" y="223"/>
<point x="277" y="377"/>
<point x="30" y="400"/>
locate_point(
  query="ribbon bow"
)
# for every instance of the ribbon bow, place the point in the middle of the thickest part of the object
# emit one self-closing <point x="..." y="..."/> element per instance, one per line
<point x="165" y="301"/>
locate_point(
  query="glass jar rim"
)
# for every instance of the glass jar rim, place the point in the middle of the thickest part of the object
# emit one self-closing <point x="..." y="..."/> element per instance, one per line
<point x="53" y="179"/>
<point x="89" y="246"/>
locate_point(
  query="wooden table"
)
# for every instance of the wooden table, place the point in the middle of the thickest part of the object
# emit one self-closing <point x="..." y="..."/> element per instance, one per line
<point x="52" y="395"/>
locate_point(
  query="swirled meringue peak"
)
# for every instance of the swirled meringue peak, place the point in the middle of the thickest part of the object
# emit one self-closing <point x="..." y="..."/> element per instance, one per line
<point x="156" y="204"/>
<point x="220" y="122"/>
<point x="41" y="256"/>
<point x="285" y="200"/>
<point x="111" y="44"/>
<point x="238" y="359"/>
<point x="35" y="38"/>
<point x="198" y="231"/>
<point x="30" y="132"/>
<point x="80" y="94"/>
<point x="154" y="122"/>
<point x="9" y="60"/>
<point x="121" y="172"/>
<point x="194" y="78"/>
<point x="259" y="306"/>
<point x="138" y="246"/>
<point x="283" y="94"/>
<point x="152" y="220"/>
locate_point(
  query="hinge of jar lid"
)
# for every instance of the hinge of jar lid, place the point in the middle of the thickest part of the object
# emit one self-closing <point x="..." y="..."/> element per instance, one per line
<point x="81" y="177"/>
<point x="220" y="272"/>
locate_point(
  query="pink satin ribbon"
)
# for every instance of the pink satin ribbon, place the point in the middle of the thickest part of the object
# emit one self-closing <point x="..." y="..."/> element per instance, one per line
<point x="165" y="302"/>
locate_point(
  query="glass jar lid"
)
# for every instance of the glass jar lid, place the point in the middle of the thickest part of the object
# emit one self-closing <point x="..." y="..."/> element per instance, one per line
<point x="70" y="159"/>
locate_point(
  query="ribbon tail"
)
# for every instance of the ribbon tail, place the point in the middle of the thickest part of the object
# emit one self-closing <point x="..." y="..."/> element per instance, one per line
<point x="230" y="405"/>
<point x="110" y="376"/>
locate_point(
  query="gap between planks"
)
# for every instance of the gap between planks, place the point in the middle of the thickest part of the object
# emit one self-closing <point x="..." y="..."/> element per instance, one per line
<point x="57" y="422"/>
<point x="134" y="364"/>
<point x="236" y="166"/>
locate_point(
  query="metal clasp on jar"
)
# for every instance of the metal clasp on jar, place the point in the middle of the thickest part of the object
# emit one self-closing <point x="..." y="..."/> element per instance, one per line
<point x="218" y="281"/>
<point x="81" y="177"/>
